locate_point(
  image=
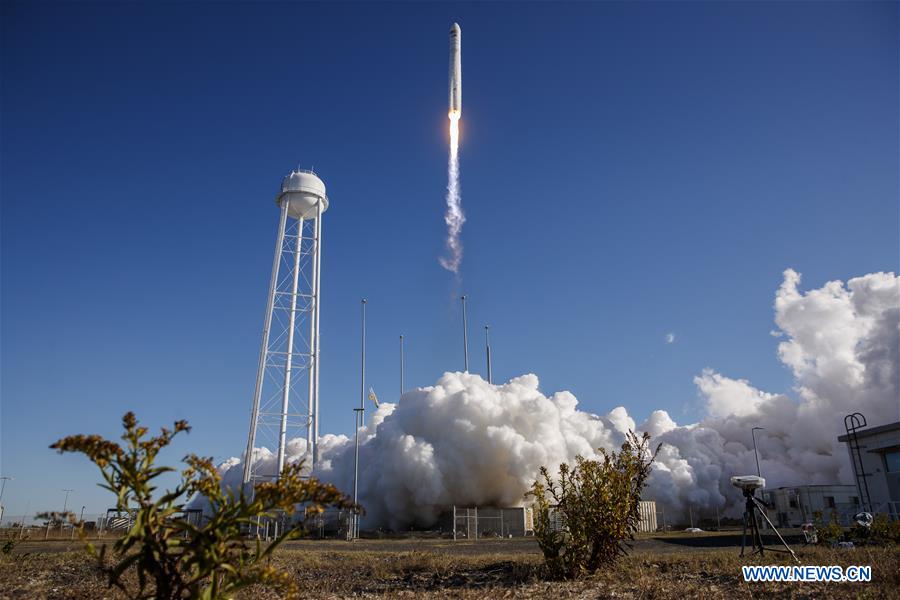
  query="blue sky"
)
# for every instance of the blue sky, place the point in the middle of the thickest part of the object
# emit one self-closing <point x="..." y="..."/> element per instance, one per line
<point x="628" y="170"/>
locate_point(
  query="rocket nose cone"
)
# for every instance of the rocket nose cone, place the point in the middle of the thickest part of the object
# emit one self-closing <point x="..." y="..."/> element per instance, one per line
<point x="455" y="28"/>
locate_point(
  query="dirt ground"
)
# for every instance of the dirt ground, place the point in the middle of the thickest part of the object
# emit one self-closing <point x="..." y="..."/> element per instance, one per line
<point x="657" y="544"/>
<point x="670" y="566"/>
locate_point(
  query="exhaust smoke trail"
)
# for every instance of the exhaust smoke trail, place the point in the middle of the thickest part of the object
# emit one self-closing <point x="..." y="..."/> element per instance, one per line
<point x="454" y="217"/>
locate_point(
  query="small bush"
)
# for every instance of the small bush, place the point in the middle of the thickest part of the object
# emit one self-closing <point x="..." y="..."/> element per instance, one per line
<point x="884" y="530"/>
<point x="583" y="519"/>
<point x="831" y="533"/>
<point x="172" y="557"/>
<point x="56" y="520"/>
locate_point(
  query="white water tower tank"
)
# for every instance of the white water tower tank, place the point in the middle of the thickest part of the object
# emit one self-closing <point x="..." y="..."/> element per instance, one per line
<point x="302" y="190"/>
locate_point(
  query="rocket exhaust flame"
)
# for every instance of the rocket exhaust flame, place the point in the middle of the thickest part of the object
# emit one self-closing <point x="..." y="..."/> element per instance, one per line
<point x="454" y="216"/>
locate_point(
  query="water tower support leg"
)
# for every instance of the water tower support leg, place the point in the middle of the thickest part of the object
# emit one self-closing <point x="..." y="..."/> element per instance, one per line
<point x="267" y="325"/>
<point x="286" y="391"/>
<point x="317" y="293"/>
<point x="311" y="365"/>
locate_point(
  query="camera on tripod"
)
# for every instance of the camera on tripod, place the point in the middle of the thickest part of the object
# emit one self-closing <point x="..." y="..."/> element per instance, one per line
<point x="748" y="483"/>
<point x="753" y="507"/>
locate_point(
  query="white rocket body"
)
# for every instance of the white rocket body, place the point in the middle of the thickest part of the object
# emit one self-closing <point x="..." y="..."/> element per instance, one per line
<point x="455" y="70"/>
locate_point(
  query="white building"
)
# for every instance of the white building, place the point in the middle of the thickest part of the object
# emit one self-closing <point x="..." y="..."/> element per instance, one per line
<point x="879" y="454"/>
<point x="647" y="522"/>
<point x="794" y="506"/>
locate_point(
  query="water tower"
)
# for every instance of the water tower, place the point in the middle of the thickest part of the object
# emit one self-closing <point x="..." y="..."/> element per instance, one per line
<point x="286" y="396"/>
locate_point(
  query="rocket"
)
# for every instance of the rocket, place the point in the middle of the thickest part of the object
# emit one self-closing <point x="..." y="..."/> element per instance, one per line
<point x="455" y="71"/>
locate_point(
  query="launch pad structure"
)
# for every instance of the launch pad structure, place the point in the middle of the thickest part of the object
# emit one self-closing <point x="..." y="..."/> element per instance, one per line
<point x="285" y="405"/>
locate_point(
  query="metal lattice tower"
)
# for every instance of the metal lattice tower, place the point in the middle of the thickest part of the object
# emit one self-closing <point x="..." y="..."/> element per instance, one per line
<point x="286" y="396"/>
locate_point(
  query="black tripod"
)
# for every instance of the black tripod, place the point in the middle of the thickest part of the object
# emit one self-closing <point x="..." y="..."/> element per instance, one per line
<point x="750" y="510"/>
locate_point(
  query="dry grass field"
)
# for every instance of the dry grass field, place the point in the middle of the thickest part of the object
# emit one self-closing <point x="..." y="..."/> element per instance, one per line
<point x="672" y="566"/>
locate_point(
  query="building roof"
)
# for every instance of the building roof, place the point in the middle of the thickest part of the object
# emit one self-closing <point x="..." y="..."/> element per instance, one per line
<point x="812" y="485"/>
<point x="862" y="433"/>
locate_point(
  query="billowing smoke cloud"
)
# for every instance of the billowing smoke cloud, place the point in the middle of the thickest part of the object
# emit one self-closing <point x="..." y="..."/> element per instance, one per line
<point x="466" y="442"/>
<point x="461" y="441"/>
<point x="842" y="344"/>
<point x="454" y="217"/>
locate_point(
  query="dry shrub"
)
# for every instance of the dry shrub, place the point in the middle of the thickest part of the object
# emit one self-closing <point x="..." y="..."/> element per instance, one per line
<point x="173" y="558"/>
<point x="583" y="519"/>
<point x="829" y="533"/>
<point x="884" y="530"/>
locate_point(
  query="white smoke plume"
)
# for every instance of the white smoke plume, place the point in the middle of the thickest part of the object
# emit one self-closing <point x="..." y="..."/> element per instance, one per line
<point x="842" y="343"/>
<point x="454" y="217"/>
<point x="466" y="442"/>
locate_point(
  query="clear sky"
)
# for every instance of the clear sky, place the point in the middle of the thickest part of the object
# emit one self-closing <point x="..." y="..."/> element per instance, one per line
<point x="628" y="170"/>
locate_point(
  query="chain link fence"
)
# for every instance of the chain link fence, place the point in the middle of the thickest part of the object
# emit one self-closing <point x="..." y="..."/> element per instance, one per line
<point x="111" y="524"/>
<point x="489" y="522"/>
<point x="29" y="527"/>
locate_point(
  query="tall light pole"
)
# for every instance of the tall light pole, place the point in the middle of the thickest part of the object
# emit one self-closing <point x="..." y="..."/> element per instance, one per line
<point x="487" y="346"/>
<point x="755" y="453"/>
<point x="401" y="365"/>
<point x="3" y="481"/>
<point x="66" y="501"/>
<point x="465" y="334"/>
<point x="360" y="418"/>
